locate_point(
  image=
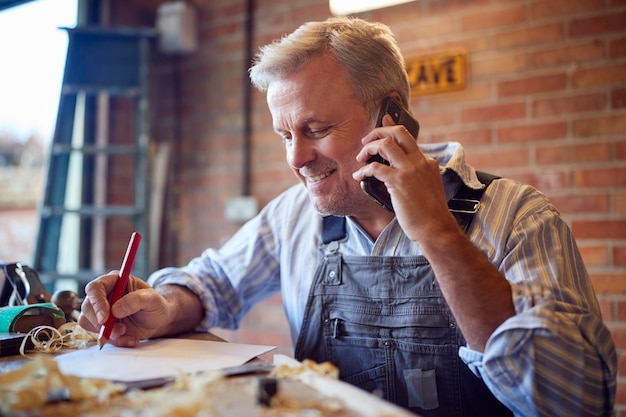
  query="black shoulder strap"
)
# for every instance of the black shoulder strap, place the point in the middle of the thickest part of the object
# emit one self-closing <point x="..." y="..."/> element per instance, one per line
<point x="466" y="202"/>
<point x="463" y="206"/>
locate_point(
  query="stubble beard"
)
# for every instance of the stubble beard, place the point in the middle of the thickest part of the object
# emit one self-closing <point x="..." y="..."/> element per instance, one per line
<point x="340" y="203"/>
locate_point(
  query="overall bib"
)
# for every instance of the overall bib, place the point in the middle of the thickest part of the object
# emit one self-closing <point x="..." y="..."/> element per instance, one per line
<point x="384" y="323"/>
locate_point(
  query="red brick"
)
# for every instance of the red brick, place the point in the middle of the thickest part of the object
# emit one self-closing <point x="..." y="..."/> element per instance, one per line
<point x="619" y="337"/>
<point x="264" y="324"/>
<point x="600" y="177"/>
<point x="581" y="203"/>
<point x="272" y="181"/>
<point x="222" y="31"/>
<point x="551" y="82"/>
<point x="546" y="180"/>
<point x="228" y="11"/>
<point x="400" y="15"/>
<point x="600" y="75"/>
<point x="619" y="202"/>
<point x="468" y="138"/>
<point x="432" y="27"/>
<point x="595" y="255"/>
<point x="599" y="229"/>
<point x="532" y="132"/>
<point x="568" y="104"/>
<point x="492" y="18"/>
<point x="306" y="12"/>
<point x="568" y="54"/>
<point x="573" y="154"/>
<point x="529" y="35"/>
<point x="595" y="25"/>
<point x="500" y="158"/>
<point x="621" y="312"/>
<point x="621" y="366"/>
<point x="487" y="65"/>
<point x="618" y="98"/>
<point x="614" y="283"/>
<point x="472" y="43"/>
<point x="494" y="112"/>
<point x="455" y="6"/>
<point x="475" y="91"/>
<point x="435" y="117"/>
<point x="620" y="396"/>
<point x="561" y="8"/>
<point x="620" y="150"/>
<point x="607" y="308"/>
<point x="619" y="256"/>
<point x="613" y="124"/>
<point x="617" y="48"/>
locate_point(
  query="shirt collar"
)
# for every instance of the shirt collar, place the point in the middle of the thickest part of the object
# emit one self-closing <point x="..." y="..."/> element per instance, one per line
<point x="454" y="169"/>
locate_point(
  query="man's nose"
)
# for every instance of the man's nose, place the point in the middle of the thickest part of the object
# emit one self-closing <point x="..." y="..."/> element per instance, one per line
<point x="300" y="152"/>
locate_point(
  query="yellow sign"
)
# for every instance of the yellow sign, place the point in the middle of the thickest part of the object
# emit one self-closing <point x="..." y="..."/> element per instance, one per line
<point x="446" y="71"/>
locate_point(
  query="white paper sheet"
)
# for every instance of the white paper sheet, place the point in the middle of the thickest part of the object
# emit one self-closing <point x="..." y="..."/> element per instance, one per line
<point x="158" y="358"/>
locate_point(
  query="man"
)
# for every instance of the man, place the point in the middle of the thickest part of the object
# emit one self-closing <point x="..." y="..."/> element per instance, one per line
<point x="498" y="318"/>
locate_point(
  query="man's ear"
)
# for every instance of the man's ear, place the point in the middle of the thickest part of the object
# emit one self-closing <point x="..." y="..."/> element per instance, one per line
<point x="395" y="95"/>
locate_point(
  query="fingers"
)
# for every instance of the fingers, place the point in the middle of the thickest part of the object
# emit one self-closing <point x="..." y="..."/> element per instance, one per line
<point x="87" y="319"/>
<point x="134" y="311"/>
<point x="392" y="142"/>
<point x="134" y="301"/>
<point x="409" y="175"/>
<point x="127" y="341"/>
<point x="96" y="296"/>
<point x="119" y="336"/>
<point x="96" y="308"/>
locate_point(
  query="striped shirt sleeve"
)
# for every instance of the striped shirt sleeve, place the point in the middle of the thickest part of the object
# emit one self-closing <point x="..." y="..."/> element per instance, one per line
<point x="555" y="355"/>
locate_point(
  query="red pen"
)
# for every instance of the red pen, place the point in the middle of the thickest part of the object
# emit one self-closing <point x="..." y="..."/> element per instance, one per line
<point x="120" y="286"/>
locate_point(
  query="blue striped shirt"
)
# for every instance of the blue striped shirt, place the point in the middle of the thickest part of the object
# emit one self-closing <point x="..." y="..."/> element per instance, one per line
<point x="554" y="357"/>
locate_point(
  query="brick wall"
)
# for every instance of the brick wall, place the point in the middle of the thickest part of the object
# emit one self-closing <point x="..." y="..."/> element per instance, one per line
<point x="545" y="104"/>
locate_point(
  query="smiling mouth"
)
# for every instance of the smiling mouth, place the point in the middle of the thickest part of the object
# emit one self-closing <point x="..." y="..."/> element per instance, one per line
<point x="317" y="178"/>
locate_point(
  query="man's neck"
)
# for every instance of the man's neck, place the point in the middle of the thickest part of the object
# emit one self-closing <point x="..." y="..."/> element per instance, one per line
<point x="375" y="222"/>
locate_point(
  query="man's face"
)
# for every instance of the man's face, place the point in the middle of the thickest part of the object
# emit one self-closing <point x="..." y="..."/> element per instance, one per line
<point x="322" y="122"/>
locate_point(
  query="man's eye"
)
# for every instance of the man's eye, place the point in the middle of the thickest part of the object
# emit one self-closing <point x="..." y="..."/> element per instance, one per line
<point x="316" y="133"/>
<point x="286" y="139"/>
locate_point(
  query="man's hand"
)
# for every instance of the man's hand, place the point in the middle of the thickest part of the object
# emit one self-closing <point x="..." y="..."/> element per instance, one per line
<point x="412" y="179"/>
<point x="480" y="297"/>
<point x="142" y="313"/>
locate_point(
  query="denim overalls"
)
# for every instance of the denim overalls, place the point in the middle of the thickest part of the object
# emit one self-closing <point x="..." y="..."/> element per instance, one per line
<point x="384" y="323"/>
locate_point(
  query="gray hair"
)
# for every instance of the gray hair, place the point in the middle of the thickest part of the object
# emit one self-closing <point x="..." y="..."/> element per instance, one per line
<point x="368" y="51"/>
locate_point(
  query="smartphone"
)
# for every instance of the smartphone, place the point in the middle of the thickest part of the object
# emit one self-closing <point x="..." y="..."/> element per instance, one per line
<point x="371" y="186"/>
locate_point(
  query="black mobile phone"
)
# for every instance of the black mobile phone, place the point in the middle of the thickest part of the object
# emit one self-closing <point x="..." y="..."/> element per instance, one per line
<point x="371" y="186"/>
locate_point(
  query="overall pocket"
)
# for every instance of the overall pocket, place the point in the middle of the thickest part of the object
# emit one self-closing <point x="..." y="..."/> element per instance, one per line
<point x="409" y="356"/>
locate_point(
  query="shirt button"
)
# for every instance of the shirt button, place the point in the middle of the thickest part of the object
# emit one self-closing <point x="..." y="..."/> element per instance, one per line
<point x="453" y="325"/>
<point x="331" y="274"/>
<point x="387" y="344"/>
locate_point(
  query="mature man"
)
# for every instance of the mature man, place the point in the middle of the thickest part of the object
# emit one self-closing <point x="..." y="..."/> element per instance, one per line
<point x="441" y="312"/>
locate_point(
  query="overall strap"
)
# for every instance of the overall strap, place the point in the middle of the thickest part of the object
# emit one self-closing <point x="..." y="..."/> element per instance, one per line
<point x="466" y="202"/>
<point x="333" y="229"/>
<point x="463" y="206"/>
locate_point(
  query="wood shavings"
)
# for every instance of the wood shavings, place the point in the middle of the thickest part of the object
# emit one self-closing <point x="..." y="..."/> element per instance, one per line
<point x="40" y="382"/>
<point x="323" y="379"/>
<point x="213" y="395"/>
<point x="48" y="339"/>
<point x="296" y="396"/>
<point x="37" y="388"/>
<point x="326" y="369"/>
